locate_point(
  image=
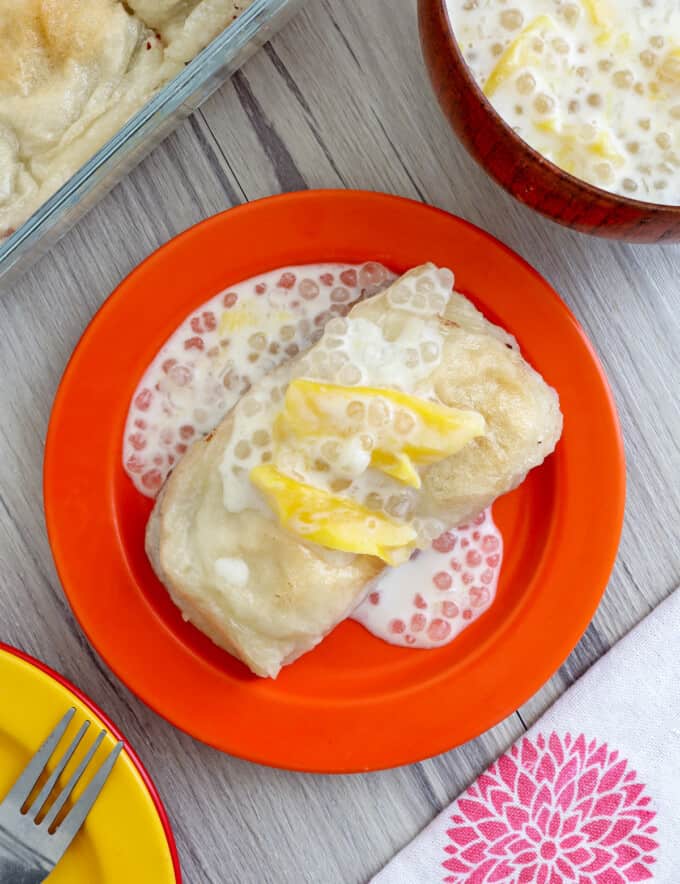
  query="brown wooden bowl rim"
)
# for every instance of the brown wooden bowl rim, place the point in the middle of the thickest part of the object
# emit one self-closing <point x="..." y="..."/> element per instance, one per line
<point x="614" y="199"/>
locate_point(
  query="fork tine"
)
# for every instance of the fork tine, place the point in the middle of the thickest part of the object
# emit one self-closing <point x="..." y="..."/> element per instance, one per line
<point x="46" y="790"/>
<point x="59" y="801"/>
<point x="76" y="816"/>
<point x="31" y="773"/>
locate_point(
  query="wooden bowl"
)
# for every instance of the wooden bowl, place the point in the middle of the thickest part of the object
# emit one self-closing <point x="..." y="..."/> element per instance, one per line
<point x="522" y="171"/>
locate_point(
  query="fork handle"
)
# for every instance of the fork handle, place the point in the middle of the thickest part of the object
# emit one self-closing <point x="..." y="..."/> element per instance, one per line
<point x="13" y="868"/>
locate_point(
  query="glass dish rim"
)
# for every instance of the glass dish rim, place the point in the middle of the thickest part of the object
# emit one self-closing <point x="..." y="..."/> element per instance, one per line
<point x="168" y="99"/>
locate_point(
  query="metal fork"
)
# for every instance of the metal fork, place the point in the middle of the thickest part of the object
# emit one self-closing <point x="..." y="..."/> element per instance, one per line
<point x="29" y="850"/>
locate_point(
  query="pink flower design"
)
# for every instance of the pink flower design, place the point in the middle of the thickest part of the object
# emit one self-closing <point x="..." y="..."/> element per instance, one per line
<point x="554" y="811"/>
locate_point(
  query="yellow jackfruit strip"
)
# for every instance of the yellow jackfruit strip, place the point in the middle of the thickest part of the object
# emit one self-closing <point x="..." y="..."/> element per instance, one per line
<point x="571" y="147"/>
<point x="331" y="521"/>
<point x="398" y="466"/>
<point x="313" y="408"/>
<point x="516" y="55"/>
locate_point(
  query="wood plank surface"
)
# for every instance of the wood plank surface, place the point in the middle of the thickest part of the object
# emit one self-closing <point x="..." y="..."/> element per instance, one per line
<point x="339" y="98"/>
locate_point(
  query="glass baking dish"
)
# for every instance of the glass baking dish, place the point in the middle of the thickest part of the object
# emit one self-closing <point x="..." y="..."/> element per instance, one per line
<point x="176" y="100"/>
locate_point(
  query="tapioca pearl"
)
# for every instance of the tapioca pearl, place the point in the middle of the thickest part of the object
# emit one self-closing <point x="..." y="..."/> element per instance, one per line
<point x="152" y="480"/>
<point x="450" y="609"/>
<point x="287" y="332"/>
<point x="349" y="277"/>
<point x="374" y="598"/>
<point x="493" y="561"/>
<point x="349" y="375"/>
<point x="467" y="578"/>
<point x="371" y="274"/>
<point x="374" y="501"/>
<point x="404" y="423"/>
<point x="418" y="622"/>
<point x="571" y="13"/>
<point x="337" y="326"/>
<point x="467" y="614"/>
<point x="400" y="506"/>
<point x="180" y="448"/>
<point x="419" y="602"/>
<point x="327" y="279"/>
<point x="543" y="103"/>
<point x="286" y="281"/>
<point x="140" y="423"/>
<point x="476" y="535"/>
<point x="356" y="411"/>
<point x="231" y="298"/>
<point x="400" y="294"/>
<point x="135" y="464"/>
<point x="479" y="596"/>
<point x="367" y="441"/>
<point x="490" y="543"/>
<point x="308" y="289"/>
<point x="664" y="140"/>
<point x="473" y="558"/>
<point x="464" y="542"/>
<point x="337" y="486"/>
<point x="378" y="413"/>
<point x="171" y="459"/>
<point x="480" y="518"/>
<point x="438" y="630"/>
<point x="257" y="341"/>
<point x="411" y="357"/>
<point x="167" y="436"/>
<point x="456" y="565"/>
<point x="442" y="580"/>
<point x="138" y="441"/>
<point x="292" y="350"/>
<point x="397" y="626"/>
<point x="186" y="431"/>
<point x="195" y="343"/>
<point x="340" y="295"/>
<point x="410" y="639"/>
<point x="604" y="172"/>
<point x="444" y="543"/>
<point x="497" y="49"/>
<point x="167" y="365"/>
<point x="669" y="70"/>
<point x="143" y="399"/>
<point x="266" y="457"/>
<point x="487" y="576"/>
<point x="261" y="438"/>
<point x="511" y="19"/>
<point x="321" y="319"/>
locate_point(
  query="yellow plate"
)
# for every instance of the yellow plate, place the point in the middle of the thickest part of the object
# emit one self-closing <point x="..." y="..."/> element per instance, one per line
<point x="126" y="838"/>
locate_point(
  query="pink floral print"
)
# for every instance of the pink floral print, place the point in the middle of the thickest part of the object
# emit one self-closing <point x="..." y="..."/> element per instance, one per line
<point x="556" y="810"/>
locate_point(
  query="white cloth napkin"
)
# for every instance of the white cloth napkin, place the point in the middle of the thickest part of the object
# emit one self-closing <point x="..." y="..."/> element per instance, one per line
<point x="591" y="794"/>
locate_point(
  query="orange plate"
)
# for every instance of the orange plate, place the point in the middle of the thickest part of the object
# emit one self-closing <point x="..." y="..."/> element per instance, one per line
<point x="354" y="703"/>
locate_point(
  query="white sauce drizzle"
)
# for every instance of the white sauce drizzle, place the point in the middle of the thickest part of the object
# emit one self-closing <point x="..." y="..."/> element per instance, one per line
<point x="223" y="347"/>
<point x="429" y="600"/>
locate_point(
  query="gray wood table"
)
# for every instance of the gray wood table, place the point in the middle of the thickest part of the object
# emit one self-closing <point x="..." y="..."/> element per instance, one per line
<point x="339" y="99"/>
